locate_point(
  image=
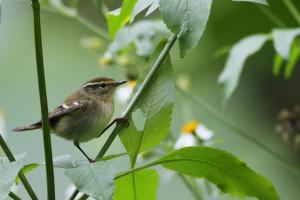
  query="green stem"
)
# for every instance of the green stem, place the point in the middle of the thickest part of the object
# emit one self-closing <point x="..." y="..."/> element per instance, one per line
<point x="292" y="8"/>
<point x="43" y="100"/>
<point x="272" y="16"/>
<point x="231" y="125"/>
<point x="135" y="98"/>
<point x="192" y="186"/>
<point x="22" y="177"/>
<point x="14" y="196"/>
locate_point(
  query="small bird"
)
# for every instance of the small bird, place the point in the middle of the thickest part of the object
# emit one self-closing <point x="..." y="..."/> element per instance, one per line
<point x="85" y="114"/>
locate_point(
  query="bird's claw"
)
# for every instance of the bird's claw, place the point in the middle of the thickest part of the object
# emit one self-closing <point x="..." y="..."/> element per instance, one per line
<point x="123" y="121"/>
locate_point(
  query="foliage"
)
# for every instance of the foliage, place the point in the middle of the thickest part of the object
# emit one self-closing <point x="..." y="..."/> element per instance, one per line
<point x="151" y="116"/>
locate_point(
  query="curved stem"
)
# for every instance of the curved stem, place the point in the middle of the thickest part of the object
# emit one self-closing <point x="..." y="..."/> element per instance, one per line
<point x="22" y="177"/>
<point x="43" y="99"/>
<point x="293" y="10"/>
<point x="231" y="125"/>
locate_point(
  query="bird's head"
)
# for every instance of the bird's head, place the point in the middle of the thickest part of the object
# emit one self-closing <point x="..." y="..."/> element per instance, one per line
<point x="101" y="87"/>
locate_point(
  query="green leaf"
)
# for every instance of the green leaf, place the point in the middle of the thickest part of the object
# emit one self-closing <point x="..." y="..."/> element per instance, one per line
<point x="263" y="2"/>
<point x="187" y="18"/>
<point x="140" y="185"/>
<point x="221" y="168"/>
<point x="283" y="39"/>
<point x="26" y="169"/>
<point x="142" y="5"/>
<point x="63" y="161"/>
<point x="155" y="104"/>
<point x="230" y="76"/>
<point x="118" y="18"/>
<point x="295" y="55"/>
<point x="8" y="174"/>
<point x="141" y="35"/>
<point x="113" y="156"/>
<point x="278" y="61"/>
<point x="95" y="179"/>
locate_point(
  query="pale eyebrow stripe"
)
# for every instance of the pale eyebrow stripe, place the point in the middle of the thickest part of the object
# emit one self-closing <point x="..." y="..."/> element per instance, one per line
<point x="96" y="83"/>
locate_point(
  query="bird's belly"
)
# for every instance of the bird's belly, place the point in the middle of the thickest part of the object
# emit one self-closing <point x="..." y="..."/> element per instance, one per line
<point x="83" y="127"/>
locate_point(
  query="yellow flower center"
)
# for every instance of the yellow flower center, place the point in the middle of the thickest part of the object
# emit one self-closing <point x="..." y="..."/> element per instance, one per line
<point x="189" y="127"/>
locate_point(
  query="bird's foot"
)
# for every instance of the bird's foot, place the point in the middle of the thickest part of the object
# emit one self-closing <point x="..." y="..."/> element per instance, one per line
<point x="123" y="121"/>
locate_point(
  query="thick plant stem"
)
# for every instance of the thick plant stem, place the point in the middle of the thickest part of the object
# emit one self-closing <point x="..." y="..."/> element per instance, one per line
<point x="22" y="177"/>
<point x="293" y="10"/>
<point x="43" y="99"/>
<point x="236" y="129"/>
<point x="135" y="98"/>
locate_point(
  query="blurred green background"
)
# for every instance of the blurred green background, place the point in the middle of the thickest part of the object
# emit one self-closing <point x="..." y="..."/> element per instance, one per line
<point x="254" y="106"/>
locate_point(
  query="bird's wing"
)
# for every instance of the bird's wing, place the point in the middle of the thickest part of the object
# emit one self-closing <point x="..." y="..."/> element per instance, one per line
<point x="67" y="108"/>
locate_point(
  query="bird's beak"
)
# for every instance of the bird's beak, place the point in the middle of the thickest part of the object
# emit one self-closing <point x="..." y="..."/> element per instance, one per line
<point x="117" y="83"/>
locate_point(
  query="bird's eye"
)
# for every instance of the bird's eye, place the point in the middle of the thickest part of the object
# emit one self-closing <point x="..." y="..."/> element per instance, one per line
<point x="102" y="85"/>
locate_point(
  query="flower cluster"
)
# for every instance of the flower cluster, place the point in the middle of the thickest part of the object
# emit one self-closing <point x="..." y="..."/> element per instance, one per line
<point x="193" y="133"/>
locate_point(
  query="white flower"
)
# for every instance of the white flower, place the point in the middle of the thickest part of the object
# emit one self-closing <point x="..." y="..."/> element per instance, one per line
<point x="2" y="124"/>
<point x="185" y="140"/>
<point x="123" y="92"/>
<point x="203" y="132"/>
<point x="193" y="133"/>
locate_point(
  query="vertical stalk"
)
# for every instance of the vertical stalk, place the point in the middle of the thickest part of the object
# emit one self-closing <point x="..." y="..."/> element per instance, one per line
<point x="14" y="196"/>
<point x="292" y="8"/>
<point x="22" y="177"/>
<point x="43" y="99"/>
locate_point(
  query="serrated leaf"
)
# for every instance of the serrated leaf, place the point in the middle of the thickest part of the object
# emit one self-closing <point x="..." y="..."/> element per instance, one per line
<point x="156" y="104"/>
<point x="26" y="169"/>
<point x="230" y="76"/>
<point x="63" y="161"/>
<point x="187" y="18"/>
<point x="140" y="185"/>
<point x="144" y="4"/>
<point x="140" y="34"/>
<point x="263" y="2"/>
<point x="117" y="19"/>
<point x="226" y="171"/>
<point x="95" y="179"/>
<point x="8" y="174"/>
<point x="283" y="39"/>
<point x="294" y="57"/>
<point x="278" y="62"/>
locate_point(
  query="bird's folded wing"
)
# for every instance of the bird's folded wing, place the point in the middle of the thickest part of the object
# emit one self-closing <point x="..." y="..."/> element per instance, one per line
<point x="67" y="108"/>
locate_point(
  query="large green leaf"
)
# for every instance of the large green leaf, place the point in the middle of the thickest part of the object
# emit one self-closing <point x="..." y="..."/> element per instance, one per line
<point x="156" y="104"/>
<point x="230" y="76"/>
<point x="118" y="18"/>
<point x="263" y="2"/>
<point x="95" y="179"/>
<point x="221" y="168"/>
<point x="187" y="18"/>
<point x="283" y="39"/>
<point x="140" y="185"/>
<point x="8" y="173"/>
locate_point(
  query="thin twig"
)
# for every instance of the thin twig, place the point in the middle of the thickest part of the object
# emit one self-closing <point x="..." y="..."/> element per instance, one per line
<point x="272" y="16"/>
<point x="236" y="129"/>
<point x="135" y="98"/>
<point x="192" y="186"/>
<point x="22" y="177"/>
<point x="293" y="10"/>
<point x="14" y="196"/>
<point x="43" y="100"/>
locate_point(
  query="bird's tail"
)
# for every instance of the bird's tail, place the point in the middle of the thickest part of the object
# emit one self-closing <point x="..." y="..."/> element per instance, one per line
<point x="27" y="128"/>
